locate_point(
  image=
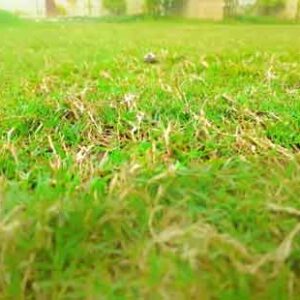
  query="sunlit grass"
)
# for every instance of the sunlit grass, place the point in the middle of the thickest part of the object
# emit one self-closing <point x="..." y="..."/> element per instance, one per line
<point x="126" y="180"/>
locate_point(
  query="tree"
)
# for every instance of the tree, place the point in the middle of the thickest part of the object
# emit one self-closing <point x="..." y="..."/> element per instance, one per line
<point x="116" y="7"/>
<point x="270" y="7"/>
<point x="230" y="8"/>
<point x="164" y="7"/>
<point x="51" y="10"/>
<point x="90" y="7"/>
<point x="153" y="7"/>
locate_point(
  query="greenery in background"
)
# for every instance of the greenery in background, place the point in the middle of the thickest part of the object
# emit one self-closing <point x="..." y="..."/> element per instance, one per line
<point x="123" y="180"/>
<point x="164" y="7"/>
<point x="61" y="10"/>
<point x="7" y="18"/>
<point x="231" y="8"/>
<point x="270" y="7"/>
<point x="116" y="7"/>
<point x="152" y="7"/>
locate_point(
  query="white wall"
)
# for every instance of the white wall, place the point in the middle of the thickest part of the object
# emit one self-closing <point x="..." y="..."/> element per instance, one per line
<point x="29" y="7"/>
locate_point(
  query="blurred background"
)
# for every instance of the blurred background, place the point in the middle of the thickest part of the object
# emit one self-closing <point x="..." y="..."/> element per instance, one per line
<point x="201" y="9"/>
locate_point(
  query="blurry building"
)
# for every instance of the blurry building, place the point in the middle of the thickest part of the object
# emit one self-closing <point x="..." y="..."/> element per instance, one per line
<point x="202" y="9"/>
<point x="208" y="9"/>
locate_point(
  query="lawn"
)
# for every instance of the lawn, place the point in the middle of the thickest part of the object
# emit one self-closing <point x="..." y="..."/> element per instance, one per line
<point x="126" y="180"/>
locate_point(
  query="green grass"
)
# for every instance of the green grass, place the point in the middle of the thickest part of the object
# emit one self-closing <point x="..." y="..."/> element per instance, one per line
<point x="7" y="18"/>
<point x="122" y="180"/>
